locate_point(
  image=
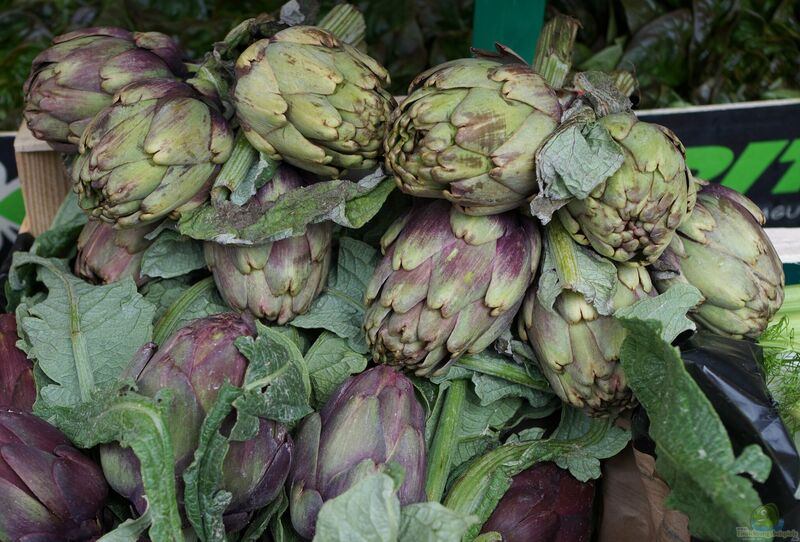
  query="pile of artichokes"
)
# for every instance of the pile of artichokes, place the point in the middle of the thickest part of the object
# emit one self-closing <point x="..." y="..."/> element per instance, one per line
<point x="500" y="227"/>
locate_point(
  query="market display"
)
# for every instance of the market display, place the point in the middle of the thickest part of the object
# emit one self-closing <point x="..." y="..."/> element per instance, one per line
<point x="238" y="330"/>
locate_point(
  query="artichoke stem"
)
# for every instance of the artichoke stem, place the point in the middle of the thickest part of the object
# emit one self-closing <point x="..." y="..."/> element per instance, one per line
<point x="346" y="23"/>
<point x="235" y="170"/>
<point x="444" y="440"/>
<point x="553" y="59"/>
<point x="169" y="322"/>
<point x="564" y="253"/>
<point x="508" y="371"/>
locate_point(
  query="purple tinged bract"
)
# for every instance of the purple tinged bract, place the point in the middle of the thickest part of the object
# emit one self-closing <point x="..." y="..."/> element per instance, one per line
<point x="448" y="284"/>
<point x="545" y="504"/>
<point x="106" y="255"/>
<point x="49" y="491"/>
<point x="76" y="78"/>
<point x="17" y="389"/>
<point x="194" y="363"/>
<point x="371" y="420"/>
<point x="275" y="281"/>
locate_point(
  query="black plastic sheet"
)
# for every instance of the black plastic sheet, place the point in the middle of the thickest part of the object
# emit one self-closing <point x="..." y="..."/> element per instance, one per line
<point x="729" y="372"/>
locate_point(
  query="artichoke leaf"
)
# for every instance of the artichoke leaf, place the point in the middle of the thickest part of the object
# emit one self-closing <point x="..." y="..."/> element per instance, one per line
<point x="579" y="156"/>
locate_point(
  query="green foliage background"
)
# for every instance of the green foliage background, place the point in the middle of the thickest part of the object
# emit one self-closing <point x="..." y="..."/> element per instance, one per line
<point x="405" y="35"/>
<point x="683" y="51"/>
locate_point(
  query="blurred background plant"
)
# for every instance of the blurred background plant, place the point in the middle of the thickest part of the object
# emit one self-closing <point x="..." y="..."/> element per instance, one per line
<point x="683" y="51"/>
<point x="693" y="51"/>
<point x="406" y="36"/>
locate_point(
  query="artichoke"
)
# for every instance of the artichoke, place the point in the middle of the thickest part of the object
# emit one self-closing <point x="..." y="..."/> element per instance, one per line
<point x="578" y="349"/>
<point x="194" y="363"/>
<point x="448" y="284"/>
<point x="468" y="132"/>
<point x="632" y="216"/>
<point x="277" y="280"/>
<point x="78" y="75"/>
<point x="722" y="250"/>
<point x="17" y="389"/>
<point x="305" y="97"/>
<point x="369" y="421"/>
<point x="49" y="491"/>
<point x="546" y="504"/>
<point x="106" y="255"/>
<point x="153" y="153"/>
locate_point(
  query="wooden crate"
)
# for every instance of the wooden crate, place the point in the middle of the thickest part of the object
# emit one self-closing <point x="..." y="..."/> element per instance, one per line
<point x="43" y="178"/>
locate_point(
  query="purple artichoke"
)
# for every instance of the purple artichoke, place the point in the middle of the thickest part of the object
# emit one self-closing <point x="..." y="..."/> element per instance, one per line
<point x="194" y="363"/>
<point x="17" y="389"/>
<point x="546" y="504"/>
<point x="49" y="491"/>
<point x="278" y="280"/>
<point x="449" y="284"/>
<point x="78" y="75"/>
<point x="106" y="255"/>
<point x="370" y="420"/>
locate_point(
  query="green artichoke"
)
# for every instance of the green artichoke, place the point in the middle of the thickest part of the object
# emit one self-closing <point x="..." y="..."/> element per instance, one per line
<point x="106" y="255"/>
<point x="632" y="216"/>
<point x="277" y="280"/>
<point x="468" y="132"/>
<point x="76" y="78"/>
<point x="578" y="349"/>
<point x="305" y="97"/>
<point x="449" y="284"/>
<point x="153" y="153"/>
<point x="722" y="250"/>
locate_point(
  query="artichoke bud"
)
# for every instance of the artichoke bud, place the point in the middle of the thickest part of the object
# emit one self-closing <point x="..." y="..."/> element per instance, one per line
<point x="632" y="216"/>
<point x="79" y="74"/>
<point x="49" y="491"/>
<point x="305" y="97"/>
<point x="17" y="388"/>
<point x="722" y="250"/>
<point x="153" y="153"/>
<point x="468" y="132"/>
<point x="277" y="280"/>
<point x="106" y="255"/>
<point x="372" y="422"/>
<point x="578" y="349"/>
<point x="194" y="363"/>
<point x="546" y="504"/>
<point x="448" y="284"/>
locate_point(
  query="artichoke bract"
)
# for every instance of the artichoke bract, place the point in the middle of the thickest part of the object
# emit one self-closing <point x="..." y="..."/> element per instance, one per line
<point x="76" y="78"/>
<point x="194" y="363"/>
<point x="448" y="284"/>
<point x="546" y="504"/>
<point x="468" y="132"/>
<point x="106" y="255"/>
<point x="307" y="98"/>
<point x="49" y="491"/>
<point x="578" y="349"/>
<point x="17" y="389"/>
<point x="369" y="421"/>
<point x="632" y="216"/>
<point x="277" y="280"/>
<point x="154" y="152"/>
<point x="723" y="251"/>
